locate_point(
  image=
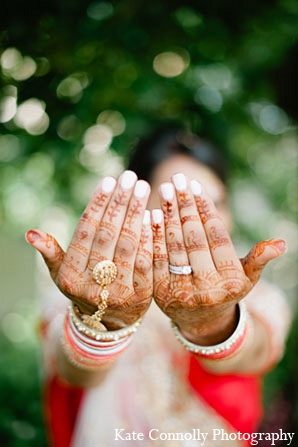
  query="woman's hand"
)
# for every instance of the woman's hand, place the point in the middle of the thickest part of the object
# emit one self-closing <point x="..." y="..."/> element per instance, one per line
<point x="190" y="231"/>
<point x="114" y="226"/>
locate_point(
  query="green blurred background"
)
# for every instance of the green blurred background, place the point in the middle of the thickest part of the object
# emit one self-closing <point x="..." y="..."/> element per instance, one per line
<point x="81" y="82"/>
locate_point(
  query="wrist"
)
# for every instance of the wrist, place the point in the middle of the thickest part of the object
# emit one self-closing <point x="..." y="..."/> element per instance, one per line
<point x="89" y="348"/>
<point x="223" y="349"/>
<point x="215" y="330"/>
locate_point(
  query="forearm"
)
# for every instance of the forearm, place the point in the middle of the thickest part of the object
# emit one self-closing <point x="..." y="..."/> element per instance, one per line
<point x="83" y="356"/>
<point x="76" y="375"/>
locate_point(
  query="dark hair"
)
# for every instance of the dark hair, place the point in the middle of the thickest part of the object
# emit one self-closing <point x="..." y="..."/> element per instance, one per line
<point x="165" y="142"/>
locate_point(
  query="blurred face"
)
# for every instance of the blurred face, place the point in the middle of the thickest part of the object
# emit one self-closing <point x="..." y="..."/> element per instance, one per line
<point x="193" y="170"/>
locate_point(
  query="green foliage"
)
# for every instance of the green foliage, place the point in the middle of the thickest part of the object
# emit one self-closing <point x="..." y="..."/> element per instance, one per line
<point x="20" y="396"/>
<point x="91" y="57"/>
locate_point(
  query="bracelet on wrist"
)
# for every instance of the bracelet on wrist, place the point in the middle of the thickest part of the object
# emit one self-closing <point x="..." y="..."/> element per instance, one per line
<point x="87" y="348"/>
<point x="76" y="317"/>
<point x="220" y="350"/>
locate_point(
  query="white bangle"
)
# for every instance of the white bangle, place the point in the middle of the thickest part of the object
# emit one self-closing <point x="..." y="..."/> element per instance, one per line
<point x="101" y="335"/>
<point x="225" y="347"/>
<point x="87" y="353"/>
<point x="96" y="347"/>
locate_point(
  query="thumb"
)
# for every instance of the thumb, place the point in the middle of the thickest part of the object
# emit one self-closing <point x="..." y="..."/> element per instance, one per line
<point x="48" y="247"/>
<point x="263" y="252"/>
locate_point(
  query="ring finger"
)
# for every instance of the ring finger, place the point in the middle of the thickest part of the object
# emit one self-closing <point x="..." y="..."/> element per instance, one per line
<point x="173" y="230"/>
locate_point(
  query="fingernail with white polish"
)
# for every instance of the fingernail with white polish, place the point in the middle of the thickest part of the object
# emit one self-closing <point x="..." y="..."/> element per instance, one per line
<point x="157" y="216"/>
<point x="167" y="191"/>
<point x="146" y="218"/>
<point x="108" y="184"/>
<point x="180" y="182"/>
<point x="127" y="179"/>
<point x="196" y="187"/>
<point x="141" y="189"/>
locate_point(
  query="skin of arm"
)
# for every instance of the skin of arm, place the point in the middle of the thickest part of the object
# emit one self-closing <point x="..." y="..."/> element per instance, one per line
<point x="76" y="376"/>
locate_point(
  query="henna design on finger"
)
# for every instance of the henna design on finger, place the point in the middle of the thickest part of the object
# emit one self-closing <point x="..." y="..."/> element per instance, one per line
<point x="259" y="249"/>
<point x="95" y="257"/>
<point x="143" y="263"/>
<point x="157" y="233"/>
<point x="196" y="242"/>
<point x="227" y="266"/>
<point x="127" y="244"/>
<point x="83" y="235"/>
<point x="160" y="261"/>
<point x="192" y="218"/>
<point x="133" y="212"/>
<point x="175" y="246"/>
<point x="168" y="209"/>
<point x="145" y="235"/>
<point x="57" y="254"/>
<point x="172" y="224"/>
<point x="106" y="234"/>
<point x="218" y="237"/>
<point x="204" y="210"/>
<point x="161" y="257"/>
<point x="50" y="242"/>
<point x="98" y="202"/>
<point x="89" y="220"/>
<point x="253" y="263"/>
<point x="79" y="248"/>
<point x="119" y="201"/>
<point x="184" y="200"/>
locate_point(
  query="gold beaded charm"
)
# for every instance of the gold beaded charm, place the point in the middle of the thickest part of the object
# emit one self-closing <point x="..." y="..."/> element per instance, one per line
<point x="104" y="274"/>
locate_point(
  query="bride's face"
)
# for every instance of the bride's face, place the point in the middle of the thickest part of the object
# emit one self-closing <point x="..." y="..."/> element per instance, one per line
<point x="193" y="170"/>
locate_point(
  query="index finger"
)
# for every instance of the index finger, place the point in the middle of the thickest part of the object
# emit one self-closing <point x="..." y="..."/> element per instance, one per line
<point x="80" y="245"/>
